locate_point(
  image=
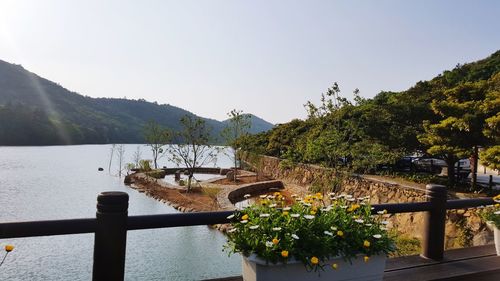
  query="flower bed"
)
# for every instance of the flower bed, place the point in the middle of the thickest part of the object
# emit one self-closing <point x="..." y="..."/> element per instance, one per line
<point x="313" y="230"/>
<point x="491" y="215"/>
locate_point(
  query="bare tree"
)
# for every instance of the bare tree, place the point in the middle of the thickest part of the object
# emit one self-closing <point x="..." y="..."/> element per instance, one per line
<point x="137" y="157"/>
<point x="112" y="152"/>
<point x="195" y="150"/>
<point x="121" y="154"/>
<point x="238" y="126"/>
<point x="156" y="137"/>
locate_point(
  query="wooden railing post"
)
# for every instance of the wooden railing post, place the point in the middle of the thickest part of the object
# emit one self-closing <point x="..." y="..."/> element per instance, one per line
<point x="434" y="222"/>
<point x="110" y="237"/>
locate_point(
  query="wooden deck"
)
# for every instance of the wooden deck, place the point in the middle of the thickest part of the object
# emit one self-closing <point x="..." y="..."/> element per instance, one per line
<point x="475" y="263"/>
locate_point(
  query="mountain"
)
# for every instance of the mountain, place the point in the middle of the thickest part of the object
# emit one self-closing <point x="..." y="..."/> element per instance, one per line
<point x="257" y="125"/>
<point x="36" y="111"/>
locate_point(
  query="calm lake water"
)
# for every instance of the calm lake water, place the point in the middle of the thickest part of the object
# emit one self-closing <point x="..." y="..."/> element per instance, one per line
<point x="62" y="182"/>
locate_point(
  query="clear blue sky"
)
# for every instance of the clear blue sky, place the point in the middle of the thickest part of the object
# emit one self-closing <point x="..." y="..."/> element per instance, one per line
<point x="264" y="57"/>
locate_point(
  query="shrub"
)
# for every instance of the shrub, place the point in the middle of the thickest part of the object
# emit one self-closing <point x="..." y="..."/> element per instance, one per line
<point x="311" y="230"/>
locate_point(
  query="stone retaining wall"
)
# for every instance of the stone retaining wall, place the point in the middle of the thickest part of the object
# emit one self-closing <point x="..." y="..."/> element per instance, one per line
<point x="463" y="227"/>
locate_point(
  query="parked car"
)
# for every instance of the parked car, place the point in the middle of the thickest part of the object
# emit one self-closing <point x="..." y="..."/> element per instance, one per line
<point x="430" y="165"/>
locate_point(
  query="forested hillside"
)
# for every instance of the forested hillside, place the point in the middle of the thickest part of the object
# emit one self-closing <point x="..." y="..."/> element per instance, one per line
<point x="448" y="116"/>
<point x="36" y="111"/>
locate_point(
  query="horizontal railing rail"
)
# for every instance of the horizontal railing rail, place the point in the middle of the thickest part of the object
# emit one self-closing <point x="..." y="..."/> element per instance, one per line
<point x="88" y="225"/>
<point x="112" y="223"/>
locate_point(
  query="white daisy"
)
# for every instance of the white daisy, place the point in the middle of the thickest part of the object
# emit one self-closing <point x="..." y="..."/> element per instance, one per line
<point x="269" y="244"/>
<point x="244" y="221"/>
<point x="295" y="215"/>
<point x="377" y="236"/>
<point x="254" y="227"/>
<point x="273" y="205"/>
<point x="276" y="228"/>
<point x="230" y="216"/>
<point x="295" y="236"/>
<point x="287" y="209"/>
<point x="309" y="217"/>
<point x="359" y="221"/>
<point x="328" y="233"/>
<point x="264" y="215"/>
<point x="232" y="230"/>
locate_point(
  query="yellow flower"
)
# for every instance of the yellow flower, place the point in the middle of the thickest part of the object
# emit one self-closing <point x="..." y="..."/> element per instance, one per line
<point x="314" y="260"/>
<point x="353" y="207"/>
<point x="497" y="205"/>
<point x="275" y="241"/>
<point x="340" y="233"/>
<point x="312" y="212"/>
<point x="285" y="213"/>
<point x="366" y="258"/>
<point x="277" y="193"/>
<point x="9" y="248"/>
<point x="284" y="253"/>
<point x="244" y="217"/>
<point x="366" y="244"/>
<point x="335" y="266"/>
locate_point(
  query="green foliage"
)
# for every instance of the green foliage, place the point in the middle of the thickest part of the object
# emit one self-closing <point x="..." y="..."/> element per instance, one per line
<point x="405" y="245"/>
<point x="145" y="165"/>
<point x="446" y="116"/>
<point x="491" y="157"/>
<point x="157" y="174"/>
<point x="196" y="151"/>
<point x="311" y="228"/>
<point x="286" y="164"/>
<point x="238" y="125"/>
<point x="156" y="138"/>
<point x="492" y="213"/>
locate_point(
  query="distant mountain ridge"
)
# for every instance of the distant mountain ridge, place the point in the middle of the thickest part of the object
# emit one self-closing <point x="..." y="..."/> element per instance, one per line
<point x="37" y="111"/>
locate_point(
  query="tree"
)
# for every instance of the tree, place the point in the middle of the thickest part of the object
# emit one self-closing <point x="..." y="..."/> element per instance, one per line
<point x="156" y="138"/>
<point x="195" y="151"/>
<point x="463" y="125"/>
<point x="238" y="126"/>
<point x="121" y="155"/>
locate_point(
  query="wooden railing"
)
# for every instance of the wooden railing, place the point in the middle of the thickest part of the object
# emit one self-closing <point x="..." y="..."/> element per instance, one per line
<point x="112" y="223"/>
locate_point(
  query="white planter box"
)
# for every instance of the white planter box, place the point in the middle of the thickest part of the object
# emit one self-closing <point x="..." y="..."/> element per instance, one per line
<point x="496" y="235"/>
<point x="255" y="269"/>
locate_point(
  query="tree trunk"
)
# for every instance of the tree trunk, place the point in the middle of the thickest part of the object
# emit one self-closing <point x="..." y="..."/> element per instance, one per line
<point x="235" y="165"/>
<point x="189" y="181"/>
<point x="154" y="160"/>
<point x="474" y="164"/>
<point x="450" y="161"/>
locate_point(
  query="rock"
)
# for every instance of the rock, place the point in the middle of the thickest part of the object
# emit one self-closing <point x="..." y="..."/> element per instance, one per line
<point x="128" y="179"/>
<point x="482" y="238"/>
<point x="230" y="175"/>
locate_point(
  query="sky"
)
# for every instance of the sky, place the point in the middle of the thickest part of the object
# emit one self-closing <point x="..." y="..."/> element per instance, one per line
<point x="265" y="57"/>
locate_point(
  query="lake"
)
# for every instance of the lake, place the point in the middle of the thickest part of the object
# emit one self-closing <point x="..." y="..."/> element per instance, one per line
<point x="62" y="182"/>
